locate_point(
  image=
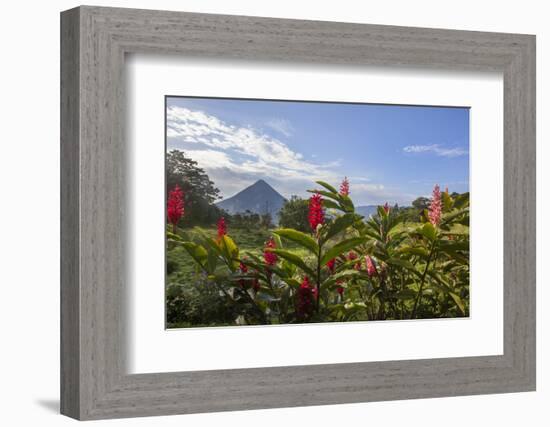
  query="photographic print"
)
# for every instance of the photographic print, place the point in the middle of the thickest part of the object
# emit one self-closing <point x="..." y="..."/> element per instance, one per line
<point x="291" y="212"/>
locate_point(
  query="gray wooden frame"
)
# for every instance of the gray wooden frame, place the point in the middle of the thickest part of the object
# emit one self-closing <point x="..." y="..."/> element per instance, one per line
<point x="94" y="41"/>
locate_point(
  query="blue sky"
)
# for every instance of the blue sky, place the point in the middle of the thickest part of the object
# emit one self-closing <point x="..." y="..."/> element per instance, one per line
<point x="388" y="152"/>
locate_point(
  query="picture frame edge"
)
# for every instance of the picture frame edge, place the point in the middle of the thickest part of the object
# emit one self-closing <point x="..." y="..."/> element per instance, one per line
<point x="93" y="381"/>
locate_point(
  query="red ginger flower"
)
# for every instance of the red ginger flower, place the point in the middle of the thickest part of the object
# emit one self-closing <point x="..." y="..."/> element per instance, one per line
<point x="316" y="214"/>
<point x="175" y="208"/>
<point x="434" y="213"/>
<point x="269" y="257"/>
<point x="386" y="208"/>
<point x="344" y="187"/>
<point x="222" y="228"/>
<point x="340" y="288"/>
<point x="371" y="268"/>
<point x="305" y="299"/>
<point x="331" y="265"/>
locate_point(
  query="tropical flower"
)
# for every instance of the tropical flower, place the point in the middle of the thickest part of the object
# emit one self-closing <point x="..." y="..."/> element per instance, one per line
<point x="339" y="288"/>
<point x="304" y="299"/>
<point x="222" y="228"/>
<point x="386" y="208"/>
<point x="434" y="213"/>
<point x="175" y="208"/>
<point x="344" y="187"/>
<point x="371" y="268"/>
<point x="269" y="257"/>
<point x="331" y="265"/>
<point x="316" y="214"/>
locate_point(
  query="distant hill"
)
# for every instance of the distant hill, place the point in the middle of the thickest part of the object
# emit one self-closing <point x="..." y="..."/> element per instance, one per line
<point x="259" y="198"/>
<point x="367" y="210"/>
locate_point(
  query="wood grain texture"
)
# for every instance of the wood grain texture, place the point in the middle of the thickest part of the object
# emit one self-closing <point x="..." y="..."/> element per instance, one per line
<point x="70" y="297"/>
<point x="94" y="382"/>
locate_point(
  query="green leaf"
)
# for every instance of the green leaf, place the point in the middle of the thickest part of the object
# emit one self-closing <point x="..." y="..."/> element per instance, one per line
<point x="453" y="245"/>
<point x="278" y="242"/>
<point x="230" y="251"/>
<point x="428" y="231"/>
<point x="404" y="264"/>
<point x="329" y="204"/>
<point x="209" y="242"/>
<point x="292" y="282"/>
<point x="419" y="251"/>
<point x="327" y="186"/>
<point x="447" y="201"/>
<point x="401" y="263"/>
<point x="402" y="227"/>
<point x="458" y="301"/>
<point x="347" y="203"/>
<point x="328" y="194"/>
<point x="345" y="274"/>
<point x="294" y="259"/>
<point x="342" y="247"/>
<point x="458" y="229"/>
<point x="173" y="236"/>
<point x="406" y="294"/>
<point x="339" y="225"/>
<point x="212" y="260"/>
<point x="302" y="239"/>
<point x="450" y="216"/>
<point x="197" y="252"/>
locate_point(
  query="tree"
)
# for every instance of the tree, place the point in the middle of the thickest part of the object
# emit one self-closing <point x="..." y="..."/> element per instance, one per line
<point x="294" y="214"/>
<point x="200" y="191"/>
<point x="421" y="203"/>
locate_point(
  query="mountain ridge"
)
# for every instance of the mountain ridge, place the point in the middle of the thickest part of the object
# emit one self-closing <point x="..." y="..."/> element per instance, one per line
<point x="259" y="198"/>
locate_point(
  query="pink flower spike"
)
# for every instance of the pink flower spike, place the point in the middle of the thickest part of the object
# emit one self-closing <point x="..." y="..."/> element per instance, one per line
<point x="344" y="187"/>
<point x="371" y="268"/>
<point x="434" y="212"/>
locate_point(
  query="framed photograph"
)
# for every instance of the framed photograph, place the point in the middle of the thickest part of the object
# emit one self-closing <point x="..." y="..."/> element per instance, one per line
<point x="261" y="213"/>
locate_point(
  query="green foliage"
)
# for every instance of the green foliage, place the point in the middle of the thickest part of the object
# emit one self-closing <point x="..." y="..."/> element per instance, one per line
<point x="249" y="220"/>
<point x="394" y="265"/>
<point x="293" y="214"/>
<point x="200" y="192"/>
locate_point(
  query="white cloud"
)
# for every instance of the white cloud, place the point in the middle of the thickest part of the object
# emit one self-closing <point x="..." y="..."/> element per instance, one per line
<point x="257" y="153"/>
<point x="235" y="157"/>
<point x="282" y="126"/>
<point x="437" y="149"/>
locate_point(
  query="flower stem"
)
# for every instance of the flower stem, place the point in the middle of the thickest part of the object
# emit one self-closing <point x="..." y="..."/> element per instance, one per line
<point x="419" y="296"/>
